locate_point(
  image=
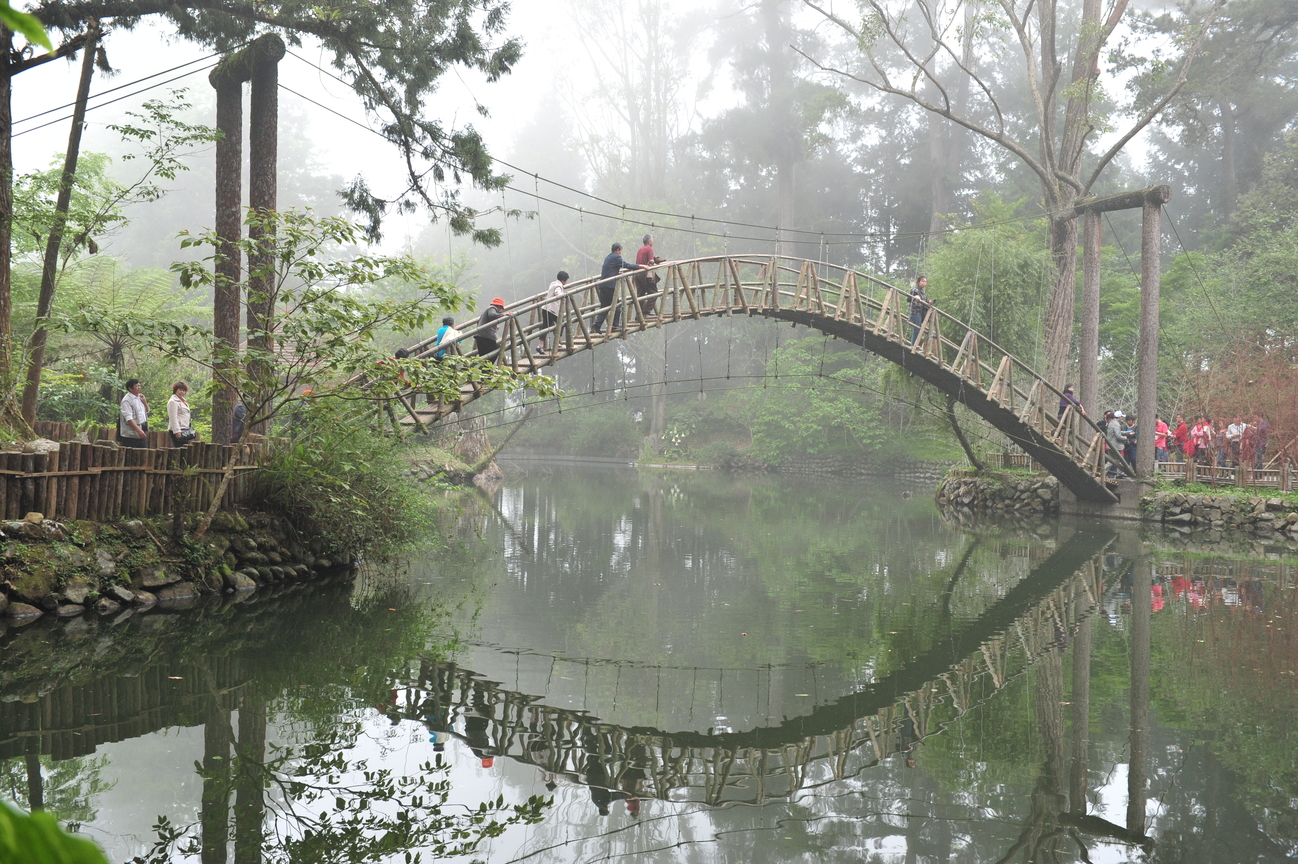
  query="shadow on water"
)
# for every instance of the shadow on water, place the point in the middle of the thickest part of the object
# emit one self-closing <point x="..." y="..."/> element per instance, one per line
<point x="987" y="693"/>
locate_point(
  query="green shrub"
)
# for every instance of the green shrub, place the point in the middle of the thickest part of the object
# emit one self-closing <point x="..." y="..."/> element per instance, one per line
<point x="339" y="481"/>
<point x="36" y="838"/>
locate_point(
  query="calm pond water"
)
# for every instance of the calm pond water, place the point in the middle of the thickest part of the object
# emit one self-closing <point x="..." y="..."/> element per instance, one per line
<point x="687" y="666"/>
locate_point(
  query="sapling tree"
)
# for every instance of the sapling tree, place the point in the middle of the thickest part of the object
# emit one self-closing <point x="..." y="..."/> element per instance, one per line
<point x="64" y="212"/>
<point x="323" y="336"/>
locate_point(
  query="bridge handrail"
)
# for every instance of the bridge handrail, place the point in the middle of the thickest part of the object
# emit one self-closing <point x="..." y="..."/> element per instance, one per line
<point x="763" y="284"/>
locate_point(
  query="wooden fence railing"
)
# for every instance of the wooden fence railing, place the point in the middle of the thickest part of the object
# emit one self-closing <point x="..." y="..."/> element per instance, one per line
<point x="100" y="483"/>
<point x="1010" y="460"/>
<point x="1276" y="477"/>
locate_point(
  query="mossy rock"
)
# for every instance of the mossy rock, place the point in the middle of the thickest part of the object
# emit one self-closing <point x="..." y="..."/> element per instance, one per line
<point x="225" y="521"/>
<point x="81" y="532"/>
<point x="34" y="571"/>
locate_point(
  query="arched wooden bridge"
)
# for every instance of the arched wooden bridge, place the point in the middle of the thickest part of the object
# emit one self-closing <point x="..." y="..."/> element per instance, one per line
<point x="837" y="301"/>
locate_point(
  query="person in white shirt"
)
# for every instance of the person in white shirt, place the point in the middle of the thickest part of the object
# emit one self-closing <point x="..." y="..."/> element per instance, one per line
<point x="1234" y="435"/>
<point x="178" y="416"/>
<point x="133" y="416"/>
<point x="550" y="310"/>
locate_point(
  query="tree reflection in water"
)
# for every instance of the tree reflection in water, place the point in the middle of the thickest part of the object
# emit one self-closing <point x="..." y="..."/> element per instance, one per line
<point x="1000" y="695"/>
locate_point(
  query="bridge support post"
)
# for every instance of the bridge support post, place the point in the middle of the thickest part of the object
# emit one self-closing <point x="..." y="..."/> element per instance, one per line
<point x="1089" y="353"/>
<point x="1151" y="248"/>
<point x="1129" y="493"/>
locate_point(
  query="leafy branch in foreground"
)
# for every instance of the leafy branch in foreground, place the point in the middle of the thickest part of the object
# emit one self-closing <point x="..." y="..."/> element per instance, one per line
<point x="321" y="341"/>
<point x="325" y="806"/>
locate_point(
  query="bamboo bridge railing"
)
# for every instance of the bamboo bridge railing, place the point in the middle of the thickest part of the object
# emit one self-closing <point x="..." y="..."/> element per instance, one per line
<point x="840" y="302"/>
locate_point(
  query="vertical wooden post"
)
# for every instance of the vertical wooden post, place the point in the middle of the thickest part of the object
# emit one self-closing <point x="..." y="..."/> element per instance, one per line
<point x="263" y="144"/>
<point x="1088" y="378"/>
<point x="229" y="227"/>
<point x="1142" y="577"/>
<point x="1151" y="248"/>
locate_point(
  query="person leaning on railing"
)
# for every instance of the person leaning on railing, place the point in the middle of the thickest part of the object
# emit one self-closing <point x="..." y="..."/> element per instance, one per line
<point x="1069" y="398"/>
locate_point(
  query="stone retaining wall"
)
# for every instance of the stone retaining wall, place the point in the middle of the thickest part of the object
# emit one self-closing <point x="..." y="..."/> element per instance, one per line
<point x="1009" y="493"/>
<point x="1264" y="517"/>
<point x="68" y="569"/>
<point x="916" y="470"/>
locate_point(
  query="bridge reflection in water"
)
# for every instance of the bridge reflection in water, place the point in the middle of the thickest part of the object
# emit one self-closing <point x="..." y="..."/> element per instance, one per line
<point x="892" y="716"/>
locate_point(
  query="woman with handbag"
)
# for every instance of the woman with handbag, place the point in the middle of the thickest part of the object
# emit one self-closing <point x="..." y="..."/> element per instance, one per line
<point x="178" y="416"/>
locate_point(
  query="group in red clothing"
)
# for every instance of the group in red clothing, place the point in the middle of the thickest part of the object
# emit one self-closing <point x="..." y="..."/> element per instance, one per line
<point x="1228" y="445"/>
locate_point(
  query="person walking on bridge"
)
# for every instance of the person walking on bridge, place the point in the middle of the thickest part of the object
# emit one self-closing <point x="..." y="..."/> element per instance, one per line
<point x="919" y="306"/>
<point x="613" y="265"/>
<point x="646" y="282"/>
<point x="1069" y="399"/>
<point x="550" y="311"/>
<point x="485" y="341"/>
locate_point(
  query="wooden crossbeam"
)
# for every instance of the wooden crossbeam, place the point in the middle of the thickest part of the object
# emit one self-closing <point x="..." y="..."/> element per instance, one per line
<point x="849" y="299"/>
<point x="1002" y="386"/>
<point x="890" y="323"/>
<point x="929" y="342"/>
<point x="740" y="302"/>
<point x="967" y="363"/>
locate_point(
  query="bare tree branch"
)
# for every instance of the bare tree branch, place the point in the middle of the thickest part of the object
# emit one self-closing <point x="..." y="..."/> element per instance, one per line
<point x="1162" y="103"/>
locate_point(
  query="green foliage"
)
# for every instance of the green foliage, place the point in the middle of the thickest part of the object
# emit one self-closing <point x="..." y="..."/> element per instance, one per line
<point x="98" y="201"/>
<point x="996" y="278"/>
<point x="36" y="838"/>
<point x="325" y="325"/>
<point x="829" y="412"/>
<point x="74" y="394"/>
<point x="393" y="57"/>
<point x="336" y="480"/>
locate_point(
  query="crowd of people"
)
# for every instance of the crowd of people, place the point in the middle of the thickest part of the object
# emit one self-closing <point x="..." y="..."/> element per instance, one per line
<point x="487" y="341"/>
<point x="1240" y="443"/>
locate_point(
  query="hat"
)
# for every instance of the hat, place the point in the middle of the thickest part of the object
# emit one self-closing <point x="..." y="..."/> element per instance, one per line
<point x="497" y="302"/>
<point x="1118" y="414"/>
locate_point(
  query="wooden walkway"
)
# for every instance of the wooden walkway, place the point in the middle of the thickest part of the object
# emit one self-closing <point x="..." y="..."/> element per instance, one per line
<point x="836" y="301"/>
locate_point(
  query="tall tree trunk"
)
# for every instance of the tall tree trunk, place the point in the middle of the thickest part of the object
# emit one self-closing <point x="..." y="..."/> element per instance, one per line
<point x="784" y="121"/>
<point x="1229" y="182"/>
<point x="54" y="242"/>
<point x="939" y="187"/>
<point x="1063" y="298"/>
<point x="249" y="802"/>
<point x="215" y="813"/>
<point x="35" y="782"/>
<point x="6" y="205"/>
<point x="1068" y="162"/>
<point x="263" y="144"/>
<point x="1137" y="769"/>
<point x="229" y="227"/>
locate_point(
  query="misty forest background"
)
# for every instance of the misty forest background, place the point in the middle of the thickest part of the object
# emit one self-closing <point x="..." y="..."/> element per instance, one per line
<point x="714" y="116"/>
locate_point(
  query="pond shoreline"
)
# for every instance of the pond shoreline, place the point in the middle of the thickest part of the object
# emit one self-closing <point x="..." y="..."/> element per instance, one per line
<point x="1211" y="516"/>
<point x="117" y="569"/>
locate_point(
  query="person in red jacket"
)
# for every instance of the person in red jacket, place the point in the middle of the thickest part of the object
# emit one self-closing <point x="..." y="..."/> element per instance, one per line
<point x="1180" y="437"/>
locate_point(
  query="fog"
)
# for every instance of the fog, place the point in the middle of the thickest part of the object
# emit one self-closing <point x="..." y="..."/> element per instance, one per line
<point x="563" y="113"/>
